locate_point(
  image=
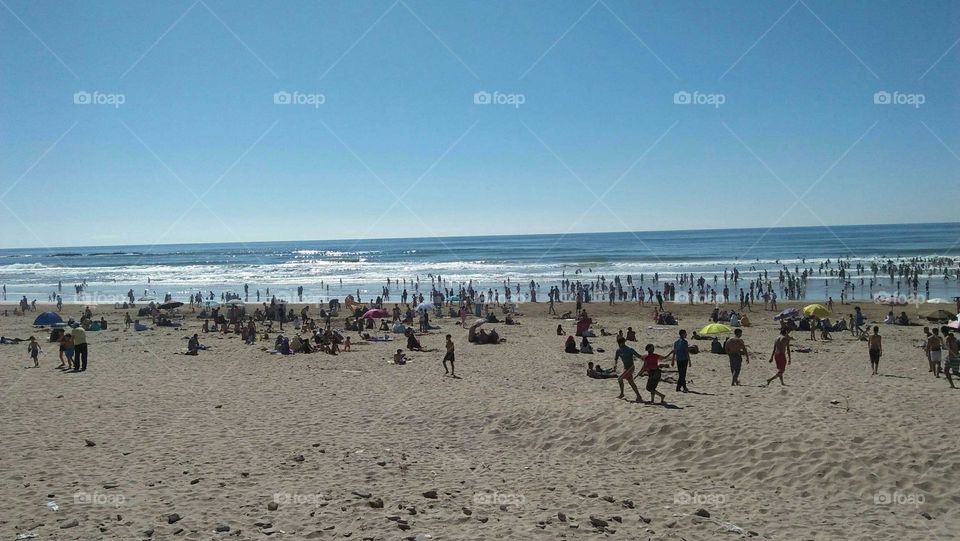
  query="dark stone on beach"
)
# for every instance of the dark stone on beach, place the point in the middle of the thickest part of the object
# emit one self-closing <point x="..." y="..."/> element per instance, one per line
<point x="483" y="519"/>
<point x="503" y="507"/>
<point x="608" y="499"/>
<point x="195" y="481"/>
<point x="299" y="458"/>
<point x="467" y="511"/>
<point x="110" y="485"/>
<point x="376" y="503"/>
<point x="598" y="522"/>
<point x="752" y="533"/>
<point x="412" y="510"/>
<point x="403" y="526"/>
<point x="361" y="494"/>
<point x="592" y="495"/>
<point x="628" y="504"/>
<point x="173" y="518"/>
<point x="834" y="402"/>
<point x="218" y="406"/>
<point x="89" y="443"/>
<point x="926" y="515"/>
<point x="244" y="474"/>
<point x="178" y="531"/>
<point x="221" y="528"/>
<point x="672" y="524"/>
<point x="432" y="494"/>
<point x="561" y="516"/>
<point x="148" y="532"/>
<point x="644" y="519"/>
<point x="272" y="506"/>
<point x="617" y="518"/>
<point x="702" y="513"/>
<point x="69" y="524"/>
<point x="394" y="518"/>
<point x="381" y="463"/>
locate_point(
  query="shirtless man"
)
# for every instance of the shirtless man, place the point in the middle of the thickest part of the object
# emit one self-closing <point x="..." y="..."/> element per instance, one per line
<point x="934" y="347"/>
<point x="450" y="356"/>
<point x="737" y="351"/>
<point x="875" y="348"/>
<point x="781" y="353"/>
<point x="953" y="355"/>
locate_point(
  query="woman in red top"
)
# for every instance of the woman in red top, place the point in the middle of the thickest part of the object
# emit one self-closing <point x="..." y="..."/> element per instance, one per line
<point x="651" y="366"/>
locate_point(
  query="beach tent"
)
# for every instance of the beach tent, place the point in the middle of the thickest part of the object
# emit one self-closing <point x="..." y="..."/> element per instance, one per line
<point x="47" y="318"/>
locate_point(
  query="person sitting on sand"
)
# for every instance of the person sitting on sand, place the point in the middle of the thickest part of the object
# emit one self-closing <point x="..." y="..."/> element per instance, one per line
<point x="560" y="331"/>
<point x="631" y="335"/>
<point x="604" y="332"/>
<point x="570" y="346"/>
<point x="595" y="372"/>
<point x="566" y="315"/>
<point x="585" y="346"/>
<point x="744" y="320"/>
<point x="412" y="343"/>
<point x="903" y="319"/>
<point x="383" y="326"/>
<point x="193" y="345"/>
<point x="400" y="357"/>
<point x="890" y="319"/>
<point x="734" y="319"/>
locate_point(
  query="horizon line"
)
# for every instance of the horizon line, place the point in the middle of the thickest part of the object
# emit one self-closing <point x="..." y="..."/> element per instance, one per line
<point x="557" y="234"/>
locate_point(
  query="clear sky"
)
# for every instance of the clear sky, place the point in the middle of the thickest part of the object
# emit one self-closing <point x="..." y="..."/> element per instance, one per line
<point x="187" y="143"/>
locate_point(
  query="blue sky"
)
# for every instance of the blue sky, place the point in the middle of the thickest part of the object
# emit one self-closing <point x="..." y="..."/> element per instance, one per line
<point x="199" y="152"/>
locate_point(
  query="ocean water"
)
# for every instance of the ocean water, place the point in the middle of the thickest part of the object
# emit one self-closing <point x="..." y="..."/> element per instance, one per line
<point x="365" y="265"/>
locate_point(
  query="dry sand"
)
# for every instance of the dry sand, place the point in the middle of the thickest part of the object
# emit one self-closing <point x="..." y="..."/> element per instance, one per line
<point x="216" y="438"/>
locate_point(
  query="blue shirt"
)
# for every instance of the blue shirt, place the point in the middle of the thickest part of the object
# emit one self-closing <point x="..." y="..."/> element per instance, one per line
<point x="680" y="349"/>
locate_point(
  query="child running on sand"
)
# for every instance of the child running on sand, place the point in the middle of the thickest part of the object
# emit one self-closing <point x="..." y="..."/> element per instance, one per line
<point x="626" y="354"/>
<point x="781" y="353"/>
<point x="35" y="350"/>
<point x="651" y="367"/>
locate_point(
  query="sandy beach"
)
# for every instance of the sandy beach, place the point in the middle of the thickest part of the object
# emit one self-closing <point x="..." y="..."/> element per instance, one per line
<point x="150" y="444"/>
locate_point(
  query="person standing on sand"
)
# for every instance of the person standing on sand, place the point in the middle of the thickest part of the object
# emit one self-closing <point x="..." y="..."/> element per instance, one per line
<point x="79" y="349"/>
<point x="737" y="351"/>
<point x="626" y="354"/>
<point x="781" y="353"/>
<point x="450" y="356"/>
<point x="651" y="367"/>
<point x="34" y="349"/>
<point x="875" y="348"/>
<point x="681" y="356"/>
<point x="934" y="347"/>
<point x="952" y="364"/>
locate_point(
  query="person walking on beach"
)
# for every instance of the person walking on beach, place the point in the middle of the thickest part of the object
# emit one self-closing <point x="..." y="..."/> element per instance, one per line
<point x="781" y="354"/>
<point x="952" y="364"/>
<point x="681" y="356"/>
<point x="626" y="354"/>
<point x="34" y="349"/>
<point x="449" y="356"/>
<point x="934" y="347"/>
<point x="875" y="349"/>
<point x="651" y="367"/>
<point x="737" y="351"/>
<point x="79" y="349"/>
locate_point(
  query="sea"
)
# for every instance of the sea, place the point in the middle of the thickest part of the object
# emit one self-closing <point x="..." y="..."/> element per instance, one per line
<point x="333" y="268"/>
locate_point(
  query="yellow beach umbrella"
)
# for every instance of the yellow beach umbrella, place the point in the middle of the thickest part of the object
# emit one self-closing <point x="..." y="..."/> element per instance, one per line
<point x="715" y="328"/>
<point x="816" y="310"/>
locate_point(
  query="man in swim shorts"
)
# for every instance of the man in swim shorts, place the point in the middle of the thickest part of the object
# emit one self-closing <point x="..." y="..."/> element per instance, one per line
<point x="781" y="354"/>
<point x="736" y="350"/>
<point x="450" y="356"/>
<point x="934" y="347"/>
<point x="875" y="348"/>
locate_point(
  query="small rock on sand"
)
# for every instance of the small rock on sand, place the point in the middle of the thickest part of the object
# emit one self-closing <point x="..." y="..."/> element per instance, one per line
<point x="432" y="494"/>
<point x="69" y="524"/>
<point x="702" y="513"/>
